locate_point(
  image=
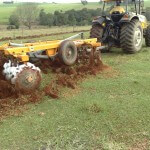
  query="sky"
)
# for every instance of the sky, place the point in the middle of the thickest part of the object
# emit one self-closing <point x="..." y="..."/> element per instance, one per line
<point x="57" y="1"/>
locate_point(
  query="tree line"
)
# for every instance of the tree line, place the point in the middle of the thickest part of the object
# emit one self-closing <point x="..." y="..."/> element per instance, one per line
<point x="71" y="17"/>
<point x="28" y="14"/>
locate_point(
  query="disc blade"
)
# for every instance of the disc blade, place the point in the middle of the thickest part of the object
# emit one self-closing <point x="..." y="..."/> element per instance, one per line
<point x="28" y="80"/>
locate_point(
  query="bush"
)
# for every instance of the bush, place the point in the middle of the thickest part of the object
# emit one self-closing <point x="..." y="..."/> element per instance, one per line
<point x="14" y="21"/>
<point x="10" y="27"/>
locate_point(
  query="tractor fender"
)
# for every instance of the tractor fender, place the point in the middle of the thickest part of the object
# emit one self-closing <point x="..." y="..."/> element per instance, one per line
<point x="132" y="16"/>
<point x="129" y="16"/>
<point x="99" y="20"/>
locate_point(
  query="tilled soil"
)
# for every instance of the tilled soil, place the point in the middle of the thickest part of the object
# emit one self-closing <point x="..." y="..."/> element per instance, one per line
<point x="6" y="89"/>
<point x="66" y="76"/>
<point x="70" y="76"/>
<point x="37" y="36"/>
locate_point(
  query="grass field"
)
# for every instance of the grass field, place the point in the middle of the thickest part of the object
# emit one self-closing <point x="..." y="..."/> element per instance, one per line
<point x="6" y="10"/>
<point x="40" y="30"/>
<point x="109" y="111"/>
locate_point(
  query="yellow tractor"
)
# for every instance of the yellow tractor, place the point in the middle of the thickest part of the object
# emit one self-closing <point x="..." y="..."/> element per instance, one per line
<point x="122" y="28"/>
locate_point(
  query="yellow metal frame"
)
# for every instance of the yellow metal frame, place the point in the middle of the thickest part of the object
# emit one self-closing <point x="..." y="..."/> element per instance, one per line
<point x="51" y="48"/>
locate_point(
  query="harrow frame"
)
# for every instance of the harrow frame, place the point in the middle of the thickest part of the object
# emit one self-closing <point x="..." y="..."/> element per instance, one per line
<point x="22" y="51"/>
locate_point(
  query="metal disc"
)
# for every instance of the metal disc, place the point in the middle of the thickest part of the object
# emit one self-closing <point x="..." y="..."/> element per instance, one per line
<point x="28" y="80"/>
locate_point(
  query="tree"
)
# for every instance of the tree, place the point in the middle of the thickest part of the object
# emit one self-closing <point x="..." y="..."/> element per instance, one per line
<point x="84" y="2"/>
<point x="70" y="17"/>
<point x="27" y="14"/>
<point x="56" y="18"/>
<point x="13" y="20"/>
<point x="43" y="18"/>
<point x="50" y="19"/>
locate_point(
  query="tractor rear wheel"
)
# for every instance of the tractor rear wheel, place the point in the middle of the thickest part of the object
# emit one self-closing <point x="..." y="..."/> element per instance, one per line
<point x="147" y="37"/>
<point x="68" y="52"/>
<point x="96" y="32"/>
<point x="131" y="38"/>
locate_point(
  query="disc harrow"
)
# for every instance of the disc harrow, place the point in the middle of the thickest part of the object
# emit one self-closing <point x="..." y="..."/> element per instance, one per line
<point x="25" y="75"/>
<point x="22" y="75"/>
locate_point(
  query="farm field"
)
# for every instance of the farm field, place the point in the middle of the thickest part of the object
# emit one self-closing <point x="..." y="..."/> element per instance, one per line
<point x="37" y="31"/>
<point x="108" y="111"/>
<point x="6" y="10"/>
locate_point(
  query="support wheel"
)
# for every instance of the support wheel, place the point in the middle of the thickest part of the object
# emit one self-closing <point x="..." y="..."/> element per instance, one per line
<point x="68" y="52"/>
<point x="131" y="38"/>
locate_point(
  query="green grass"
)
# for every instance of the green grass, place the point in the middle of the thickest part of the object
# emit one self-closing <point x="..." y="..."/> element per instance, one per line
<point x="109" y="111"/>
<point x="6" y="10"/>
<point x="40" y="31"/>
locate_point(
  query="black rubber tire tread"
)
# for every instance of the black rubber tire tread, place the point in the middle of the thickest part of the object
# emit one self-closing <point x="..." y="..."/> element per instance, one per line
<point x="127" y="37"/>
<point x="67" y="44"/>
<point x="96" y="32"/>
<point x="147" y="36"/>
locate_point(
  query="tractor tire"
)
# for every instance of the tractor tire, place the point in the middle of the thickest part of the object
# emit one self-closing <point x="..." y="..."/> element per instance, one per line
<point x="96" y="32"/>
<point x="67" y="52"/>
<point x="147" y="37"/>
<point x="131" y="37"/>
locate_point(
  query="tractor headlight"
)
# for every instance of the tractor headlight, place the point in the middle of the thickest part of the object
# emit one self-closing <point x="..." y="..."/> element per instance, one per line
<point x="104" y="24"/>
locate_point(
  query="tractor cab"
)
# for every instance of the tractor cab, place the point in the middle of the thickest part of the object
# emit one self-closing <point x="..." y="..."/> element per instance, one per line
<point x="119" y="10"/>
<point x="116" y="11"/>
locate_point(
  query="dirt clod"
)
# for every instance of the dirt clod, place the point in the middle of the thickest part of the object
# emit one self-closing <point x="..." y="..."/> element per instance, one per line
<point x="51" y="90"/>
<point x="70" y="76"/>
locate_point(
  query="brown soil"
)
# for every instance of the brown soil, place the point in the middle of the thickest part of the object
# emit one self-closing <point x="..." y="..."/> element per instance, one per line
<point x="6" y="89"/>
<point x="10" y="98"/>
<point x="70" y="76"/>
<point x="141" y="145"/>
<point x="66" y="76"/>
<point x="51" y="90"/>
